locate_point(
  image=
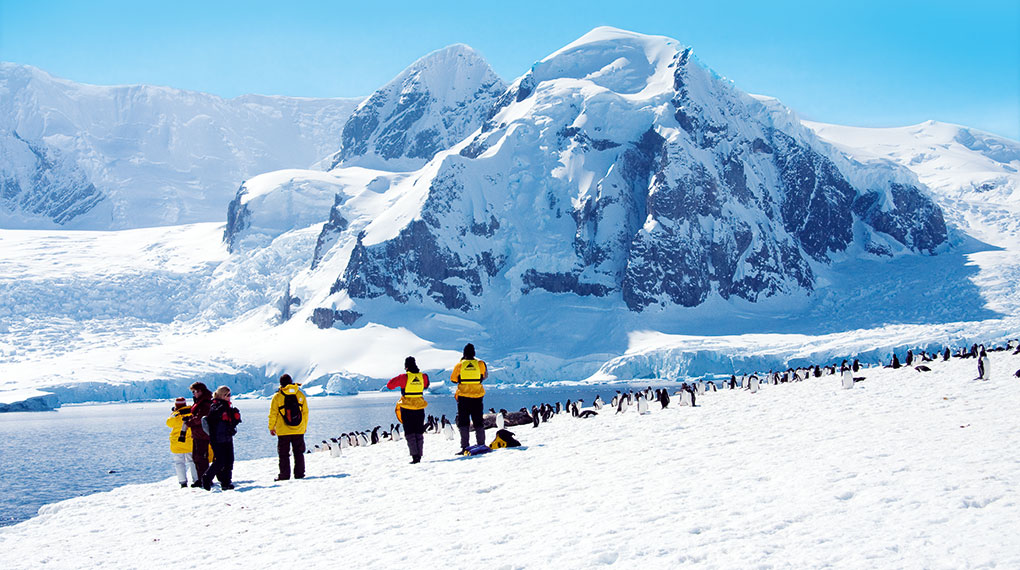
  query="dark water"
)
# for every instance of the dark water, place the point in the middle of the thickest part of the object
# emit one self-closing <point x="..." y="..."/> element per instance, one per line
<point x="77" y="450"/>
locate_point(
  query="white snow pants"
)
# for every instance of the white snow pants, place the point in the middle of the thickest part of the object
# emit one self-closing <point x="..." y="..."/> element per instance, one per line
<point x="182" y="464"/>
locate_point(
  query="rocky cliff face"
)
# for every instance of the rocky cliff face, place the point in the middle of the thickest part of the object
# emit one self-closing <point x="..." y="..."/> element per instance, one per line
<point x="37" y="181"/>
<point x="619" y="167"/>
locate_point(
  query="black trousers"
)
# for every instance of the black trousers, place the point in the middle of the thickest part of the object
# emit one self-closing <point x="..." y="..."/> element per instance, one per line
<point x="222" y="466"/>
<point x="469" y="410"/>
<point x="413" y="420"/>
<point x="284" y="444"/>
<point x="200" y="455"/>
<point x="414" y="430"/>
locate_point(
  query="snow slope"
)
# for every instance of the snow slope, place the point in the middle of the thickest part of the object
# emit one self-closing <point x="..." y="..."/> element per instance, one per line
<point x="906" y="470"/>
<point x="82" y="156"/>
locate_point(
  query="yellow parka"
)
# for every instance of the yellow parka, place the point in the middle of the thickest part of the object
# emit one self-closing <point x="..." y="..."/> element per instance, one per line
<point x="468" y="376"/>
<point x="276" y="415"/>
<point x="174" y="422"/>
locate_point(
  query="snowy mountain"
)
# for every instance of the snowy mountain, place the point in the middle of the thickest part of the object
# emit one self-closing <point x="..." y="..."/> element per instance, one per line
<point x="620" y="168"/>
<point x="973" y="174"/>
<point x="92" y="157"/>
<point x="434" y="103"/>
<point x="618" y="211"/>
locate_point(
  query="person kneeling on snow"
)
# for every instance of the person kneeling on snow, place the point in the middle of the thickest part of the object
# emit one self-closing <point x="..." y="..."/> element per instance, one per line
<point x="180" y="442"/>
<point x="221" y="425"/>
<point x="411" y="407"/>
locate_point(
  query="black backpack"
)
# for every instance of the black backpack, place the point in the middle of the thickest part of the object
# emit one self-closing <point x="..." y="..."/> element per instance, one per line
<point x="291" y="410"/>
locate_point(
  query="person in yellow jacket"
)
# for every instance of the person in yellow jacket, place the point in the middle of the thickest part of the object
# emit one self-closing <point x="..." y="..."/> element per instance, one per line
<point x="181" y="443"/>
<point x="288" y="420"/>
<point x="468" y="375"/>
<point x="411" y="407"/>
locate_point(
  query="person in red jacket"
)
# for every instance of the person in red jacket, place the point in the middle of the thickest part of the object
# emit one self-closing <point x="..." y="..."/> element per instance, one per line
<point x="411" y="407"/>
<point x="202" y="400"/>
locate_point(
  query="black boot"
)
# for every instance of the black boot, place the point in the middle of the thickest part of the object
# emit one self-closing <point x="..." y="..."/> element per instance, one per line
<point x="415" y="459"/>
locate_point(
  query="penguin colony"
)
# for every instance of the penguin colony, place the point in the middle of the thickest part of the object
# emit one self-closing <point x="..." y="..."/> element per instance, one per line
<point x="688" y="392"/>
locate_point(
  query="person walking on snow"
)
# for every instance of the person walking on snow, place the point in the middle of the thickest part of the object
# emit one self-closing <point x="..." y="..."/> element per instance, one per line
<point x="201" y="401"/>
<point x="181" y="443"/>
<point x="468" y="375"/>
<point x="411" y="407"/>
<point x="288" y="421"/>
<point x="221" y="425"/>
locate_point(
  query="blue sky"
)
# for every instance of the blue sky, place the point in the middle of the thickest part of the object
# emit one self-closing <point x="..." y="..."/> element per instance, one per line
<point x="857" y="63"/>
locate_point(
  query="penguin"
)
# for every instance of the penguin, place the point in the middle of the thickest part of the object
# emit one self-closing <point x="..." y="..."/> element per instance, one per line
<point x="1017" y="373"/>
<point x="984" y="367"/>
<point x="334" y="450"/>
<point x="847" y="377"/>
<point x="573" y="410"/>
<point x="910" y="357"/>
<point x="534" y="417"/>
<point x="945" y="354"/>
<point x="375" y="435"/>
<point x="362" y="439"/>
<point x="597" y="404"/>
<point x="664" y="398"/>
<point x="622" y="406"/>
<point x="588" y="414"/>
<point x="398" y="432"/>
<point x="922" y="368"/>
<point x="447" y="429"/>
<point x="501" y="419"/>
<point x="567" y="408"/>
<point x="642" y="404"/>
<point x="317" y="448"/>
<point x="557" y="407"/>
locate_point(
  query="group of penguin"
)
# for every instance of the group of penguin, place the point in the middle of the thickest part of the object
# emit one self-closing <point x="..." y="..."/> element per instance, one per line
<point x="335" y="445"/>
<point x="642" y="399"/>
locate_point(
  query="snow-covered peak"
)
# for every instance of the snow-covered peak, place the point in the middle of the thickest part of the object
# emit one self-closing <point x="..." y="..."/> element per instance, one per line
<point x="431" y="105"/>
<point x="617" y="60"/>
<point x="449" y="74"/>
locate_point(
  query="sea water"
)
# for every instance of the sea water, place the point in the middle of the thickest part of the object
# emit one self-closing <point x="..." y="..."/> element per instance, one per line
<point x="81" y="449"/>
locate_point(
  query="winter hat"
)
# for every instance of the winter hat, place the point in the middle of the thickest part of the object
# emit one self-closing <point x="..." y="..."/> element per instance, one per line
<point x="410" y="365"/>
<point x="286" y="380"/>
<point x="180" y="403"/>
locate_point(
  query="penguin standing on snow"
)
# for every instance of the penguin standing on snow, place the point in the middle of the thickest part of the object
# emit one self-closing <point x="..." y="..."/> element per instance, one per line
<point x="501" y="419"/>
<point x="664" y="398"/>
<point x="375" y="435"/>
<point x="642" y="403"/>
<point x="622" y="406"/>
<point x="534" y="416"/>
<point x="334" y="450"/>
<point x="984" y="367"/>
<point x="848" y="377"/>
<point x="447" y="428"/>
<point x="616" y="399"/>
<point x="398" y="432"/>
<point x="597" y="404"/>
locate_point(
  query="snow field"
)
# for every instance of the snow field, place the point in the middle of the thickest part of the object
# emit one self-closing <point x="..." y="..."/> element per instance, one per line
<point x="906" y="470"/>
